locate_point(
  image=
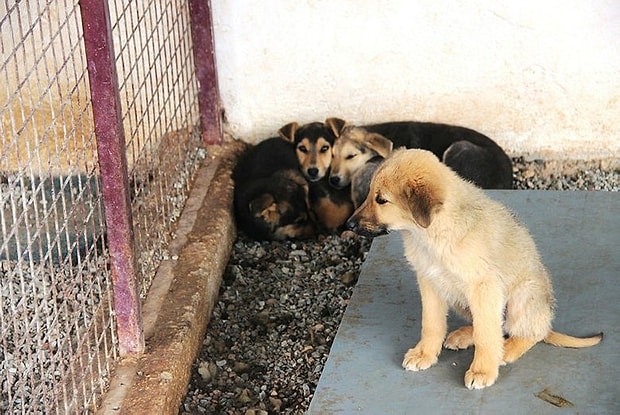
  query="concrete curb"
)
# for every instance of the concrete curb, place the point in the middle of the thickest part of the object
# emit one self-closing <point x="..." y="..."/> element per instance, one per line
<point x="180" y="301"/>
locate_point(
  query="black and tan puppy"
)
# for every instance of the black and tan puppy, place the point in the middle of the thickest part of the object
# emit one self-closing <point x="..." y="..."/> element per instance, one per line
<point x="472" y="155"/>
<point x="469" y="253"/>
<point x="271" y="195"/>
<point x="313" y="145"/>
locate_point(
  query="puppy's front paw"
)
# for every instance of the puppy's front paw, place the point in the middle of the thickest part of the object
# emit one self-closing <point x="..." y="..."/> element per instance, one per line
<point x="417" y="359"/>
<point x="478" y="379"/>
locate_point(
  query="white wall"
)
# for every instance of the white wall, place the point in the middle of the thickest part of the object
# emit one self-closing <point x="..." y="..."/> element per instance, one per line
<point x="541" y="77"/>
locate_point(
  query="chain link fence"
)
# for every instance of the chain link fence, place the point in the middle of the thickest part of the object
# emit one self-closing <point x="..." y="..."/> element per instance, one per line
<point x="58" y="335"/>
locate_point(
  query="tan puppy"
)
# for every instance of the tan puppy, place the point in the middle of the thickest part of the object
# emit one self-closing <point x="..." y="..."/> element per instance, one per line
<point x="470" y="253"/>
<point x="354" y="147"/>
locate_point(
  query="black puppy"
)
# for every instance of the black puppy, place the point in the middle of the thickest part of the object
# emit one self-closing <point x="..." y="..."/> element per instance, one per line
<point x="473" y="155"/>
<point x="271" y="195"/>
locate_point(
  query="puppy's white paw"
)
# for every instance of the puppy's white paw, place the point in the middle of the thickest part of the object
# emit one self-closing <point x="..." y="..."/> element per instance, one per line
<point x="480" y="379"/>
<point x="416" y="359"/>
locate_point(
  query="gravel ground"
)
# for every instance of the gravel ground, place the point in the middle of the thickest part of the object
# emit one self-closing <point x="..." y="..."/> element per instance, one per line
<point x="280" y="305"/>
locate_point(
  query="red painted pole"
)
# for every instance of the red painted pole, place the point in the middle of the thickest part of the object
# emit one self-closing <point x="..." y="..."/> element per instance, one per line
<point x="206" y="71"/>
<point x="114" y="178"/>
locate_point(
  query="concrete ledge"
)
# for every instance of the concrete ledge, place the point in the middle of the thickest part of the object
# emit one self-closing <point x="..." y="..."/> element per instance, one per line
<point x="180" y="301"/>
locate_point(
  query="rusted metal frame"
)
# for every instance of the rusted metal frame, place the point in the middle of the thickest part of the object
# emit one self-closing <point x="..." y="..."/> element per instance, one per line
<point x="112" y="158"/>
<point x="206" y="71"/>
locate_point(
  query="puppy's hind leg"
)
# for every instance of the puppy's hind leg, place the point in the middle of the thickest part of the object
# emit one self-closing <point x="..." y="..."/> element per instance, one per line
<point x="515" y="347"/>
<point x="529" y="312"/>
<point x="434" y="328"/>
<point x="461" y="338"/>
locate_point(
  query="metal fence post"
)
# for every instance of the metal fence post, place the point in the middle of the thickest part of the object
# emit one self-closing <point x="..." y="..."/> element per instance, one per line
<point x="114" y="177"/>
<point x="206" y="71"/>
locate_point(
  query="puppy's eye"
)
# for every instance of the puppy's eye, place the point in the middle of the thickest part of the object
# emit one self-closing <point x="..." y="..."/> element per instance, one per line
<point x="324" y="149"/>
<point x="350" y="156"/>
<point x="380" y="200"/>
<point x="303" y="149"/>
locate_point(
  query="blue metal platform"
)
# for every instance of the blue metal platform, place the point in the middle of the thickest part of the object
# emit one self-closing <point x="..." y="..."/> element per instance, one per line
<point x="578" y="236"/>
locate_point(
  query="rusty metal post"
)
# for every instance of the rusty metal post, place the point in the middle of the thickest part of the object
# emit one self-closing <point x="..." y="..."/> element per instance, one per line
<point x="206" y="71"/>
<point x="114" y="177"/>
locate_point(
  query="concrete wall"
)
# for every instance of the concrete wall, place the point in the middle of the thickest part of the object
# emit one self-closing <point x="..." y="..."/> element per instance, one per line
<point x="540" y="77"/>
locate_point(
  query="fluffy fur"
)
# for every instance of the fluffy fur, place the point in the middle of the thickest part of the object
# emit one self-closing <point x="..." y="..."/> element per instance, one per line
<point x="469" y="253"/>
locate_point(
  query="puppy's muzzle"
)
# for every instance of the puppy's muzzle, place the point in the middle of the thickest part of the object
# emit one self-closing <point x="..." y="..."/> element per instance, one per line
<point x="354" y="225"/>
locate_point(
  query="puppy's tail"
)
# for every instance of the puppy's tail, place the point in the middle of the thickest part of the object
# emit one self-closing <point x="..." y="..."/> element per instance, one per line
<point x="564" y="340"/>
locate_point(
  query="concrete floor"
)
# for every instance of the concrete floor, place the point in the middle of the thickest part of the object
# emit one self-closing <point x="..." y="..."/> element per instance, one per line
<point x="578" y="235"/>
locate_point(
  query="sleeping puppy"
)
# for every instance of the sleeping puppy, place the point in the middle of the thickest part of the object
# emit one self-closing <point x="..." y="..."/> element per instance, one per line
<point x="356" y="154"/>
<point x="471" y="154"/>
<point x="469" y="253"/>
<point x="271" y="195"/>
<point x="313" y="145"/>
<point x="353" y="148"/>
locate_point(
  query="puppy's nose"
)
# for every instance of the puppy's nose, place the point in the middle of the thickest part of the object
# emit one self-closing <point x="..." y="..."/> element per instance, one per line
<point x="334" y="181"/>
<point x="313" y="172"/>
<point x="352" y="224"/>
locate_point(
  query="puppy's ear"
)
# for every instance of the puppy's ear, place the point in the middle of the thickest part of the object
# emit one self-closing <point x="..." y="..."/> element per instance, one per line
<point x="422" y="203"/>
<point x="288" y="131"/>
<point x="336" y="125"/>
<point x="379" y="144"/>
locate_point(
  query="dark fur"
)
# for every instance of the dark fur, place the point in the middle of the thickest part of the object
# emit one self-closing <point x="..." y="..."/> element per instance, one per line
<point x="331" y="207"/>
<point x="360" y="182"/>
<point x="472" y="155"/>
<point x="271" y="195"/>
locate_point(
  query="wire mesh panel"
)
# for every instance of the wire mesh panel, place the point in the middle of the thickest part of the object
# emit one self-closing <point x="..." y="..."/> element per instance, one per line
<point x="157" y="85"/>
<point x="57" y="325"/>
<point x="56" y="337"/>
